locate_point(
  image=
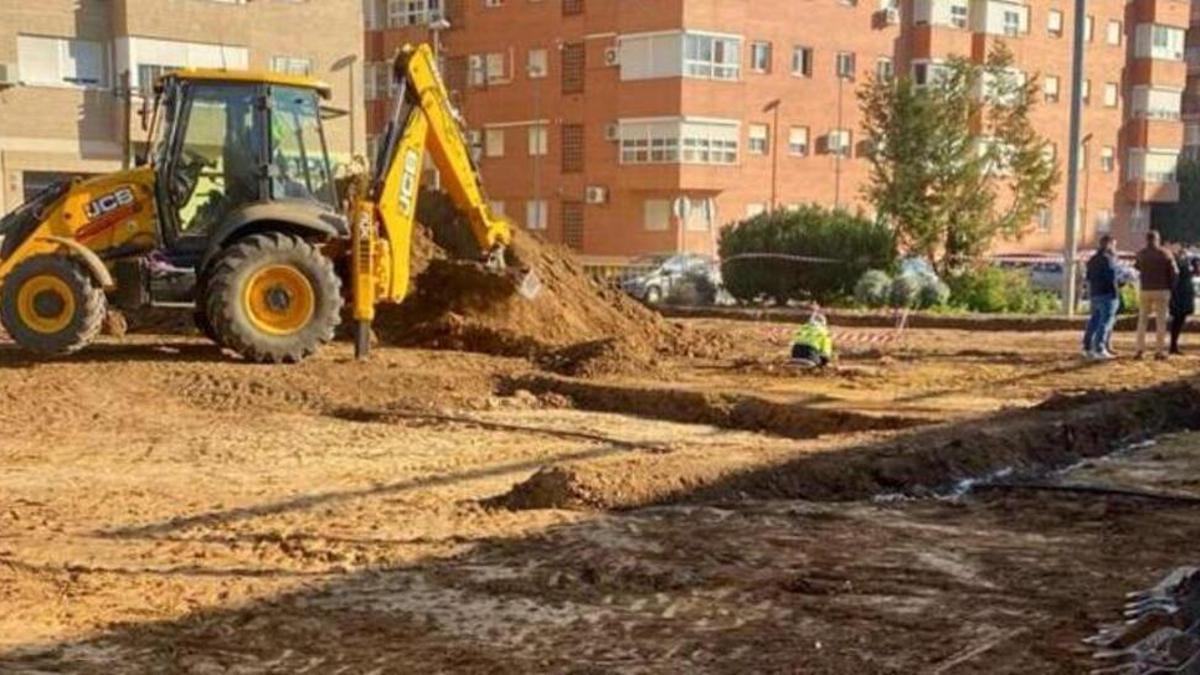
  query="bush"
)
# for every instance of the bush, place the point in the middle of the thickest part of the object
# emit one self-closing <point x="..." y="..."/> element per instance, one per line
<point x="770" y="254"/>
<point x="906" y="291"/>
<point x="992" y="290"/>
<point x="873" y="289"/>
<point x="934" y="293"/>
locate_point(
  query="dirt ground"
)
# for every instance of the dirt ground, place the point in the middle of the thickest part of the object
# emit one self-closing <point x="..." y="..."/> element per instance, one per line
<point x="164" y="508"/>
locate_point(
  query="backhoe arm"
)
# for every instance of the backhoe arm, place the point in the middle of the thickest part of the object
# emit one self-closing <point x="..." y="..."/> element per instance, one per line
<point x="423" y="120"/>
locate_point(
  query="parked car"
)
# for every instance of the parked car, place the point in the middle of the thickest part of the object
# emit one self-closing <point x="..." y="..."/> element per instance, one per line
<point x="680" y="275"/>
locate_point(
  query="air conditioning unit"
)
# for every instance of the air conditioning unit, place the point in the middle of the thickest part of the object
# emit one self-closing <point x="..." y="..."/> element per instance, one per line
<point x="891" y="16"/>
<point x="612" y="131"/>
<point x="8" y="75"/>
<point x="612" y="56"/>
<point x="596" y="194"/>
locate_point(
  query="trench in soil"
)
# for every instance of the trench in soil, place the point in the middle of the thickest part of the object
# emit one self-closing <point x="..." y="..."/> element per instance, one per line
<point x="725" y="410"/>
<point x="916" y="462"/>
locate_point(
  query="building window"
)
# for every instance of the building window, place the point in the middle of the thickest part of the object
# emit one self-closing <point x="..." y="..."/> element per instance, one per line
<point x="412" y="12"/>
<point x="1152" y="166"/>
<point x="1159" y="42"/>
<point x="538" y="64"/>
<point x="928" y="73"/>
<point x="710" y="57"/>
<point x="1054" y="23"/>
<point x="759" y="143"/>
<point x="493" y="142"/>
<point x="148" y="74"/>
<point x="292" y="65"/>
<point x="1112" y="34"/>
<point x="538" y="140"/>
<point x="497" y="206"/>
<point x="1087" y="28"/>
<point x="1045" y="219"/>
<point x="487" y="69"/>
<point x="1110" y="94"/>
<point x="1139" y="218"/>
<point x="1050" y="88"/>
<point x="574" y="61"/>
<point x="1163" y="103"/>
<point x="656" y="215"/>
<point x="1107" y="159"/>
<point x="845" y="65"/>
<point x="61" y="62"/>
<point x="572" y="148"/>
<point x="958" y="15"/>
<point x="839" y="142"/>
<point x="802" y="60"/>
<point x="537" y="214"/>
<point x="885" y="69"/>
<point x="673" y="141"/>
<point x="1104" y="219"/>
<point x="1012" y="22"/>
<point x="1087" y="92"/>
<point x="798" y="141"/>
<point x="760" y="57"/>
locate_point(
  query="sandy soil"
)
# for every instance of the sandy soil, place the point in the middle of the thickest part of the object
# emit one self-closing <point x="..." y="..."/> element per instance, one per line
<point x="166" y="509"/>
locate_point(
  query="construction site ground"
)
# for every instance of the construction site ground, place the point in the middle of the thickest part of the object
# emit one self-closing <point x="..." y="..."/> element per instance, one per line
<point x="166" y="508"/>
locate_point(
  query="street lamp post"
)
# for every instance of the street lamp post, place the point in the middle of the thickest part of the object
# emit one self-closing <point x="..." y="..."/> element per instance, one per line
<point x="1074" y="144"/>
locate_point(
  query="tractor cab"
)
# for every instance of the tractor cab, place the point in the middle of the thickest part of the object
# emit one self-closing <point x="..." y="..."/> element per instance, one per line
<point x="228" y="148"/>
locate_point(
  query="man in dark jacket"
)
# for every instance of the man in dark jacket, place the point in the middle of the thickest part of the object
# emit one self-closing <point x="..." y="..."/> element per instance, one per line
<point x="1183" y="298"/>
<point x="1158" y="274"/>
<point x="1103" y="298"/>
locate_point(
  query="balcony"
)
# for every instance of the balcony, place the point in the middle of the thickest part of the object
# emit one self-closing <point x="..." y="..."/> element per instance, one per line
<point x="938" y="42"/>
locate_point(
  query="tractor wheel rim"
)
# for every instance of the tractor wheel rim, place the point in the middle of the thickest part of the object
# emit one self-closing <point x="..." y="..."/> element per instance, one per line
<point x="46" y="304"/>
<point x="279" y="300"/>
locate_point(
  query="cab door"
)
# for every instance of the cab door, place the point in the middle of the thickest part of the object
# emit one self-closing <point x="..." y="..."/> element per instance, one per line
<point x="217" y="163"/>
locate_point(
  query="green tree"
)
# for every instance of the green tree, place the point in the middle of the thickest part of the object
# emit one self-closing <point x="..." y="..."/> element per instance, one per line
<point x="1180" y="221"/>
<point x="956" y="163"/>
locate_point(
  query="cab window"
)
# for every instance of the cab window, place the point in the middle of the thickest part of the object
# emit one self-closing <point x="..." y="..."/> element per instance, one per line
<point x="300" y="167"/>
<point x="216" y="168"/>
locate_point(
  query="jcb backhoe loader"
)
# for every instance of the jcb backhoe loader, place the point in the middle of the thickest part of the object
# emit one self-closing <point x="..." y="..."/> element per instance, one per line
<point x="234" y="214"/>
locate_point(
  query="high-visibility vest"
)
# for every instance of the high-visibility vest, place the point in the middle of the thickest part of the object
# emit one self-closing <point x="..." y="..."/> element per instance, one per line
<point x="815" y="336"/>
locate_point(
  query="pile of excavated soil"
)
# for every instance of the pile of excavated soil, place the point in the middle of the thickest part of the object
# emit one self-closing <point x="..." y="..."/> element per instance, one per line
<point x="575" y="326"/>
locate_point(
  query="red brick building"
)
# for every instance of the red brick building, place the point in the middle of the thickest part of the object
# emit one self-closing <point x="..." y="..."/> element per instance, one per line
<point x="625" y="127"/>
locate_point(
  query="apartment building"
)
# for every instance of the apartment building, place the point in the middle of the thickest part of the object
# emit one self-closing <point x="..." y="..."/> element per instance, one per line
<point x="73" y="71"/>
<point x="622" y="127"/>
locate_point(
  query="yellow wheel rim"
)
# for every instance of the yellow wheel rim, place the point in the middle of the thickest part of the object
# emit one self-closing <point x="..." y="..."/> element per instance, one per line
<point x="46" y="304"/>
<point x="279" y="300"/>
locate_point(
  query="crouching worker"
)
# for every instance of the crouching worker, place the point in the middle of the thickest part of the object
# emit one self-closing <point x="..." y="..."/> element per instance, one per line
<point x="812" y="345"/>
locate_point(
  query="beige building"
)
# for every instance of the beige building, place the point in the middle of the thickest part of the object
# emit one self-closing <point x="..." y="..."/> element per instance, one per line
<point x="64" y="65"/>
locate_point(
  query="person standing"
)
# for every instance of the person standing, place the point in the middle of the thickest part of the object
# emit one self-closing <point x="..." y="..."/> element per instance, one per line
<point x="1157" y="268"/>
<point x="1103" y="298"/>
<point x="1183" y="298"/>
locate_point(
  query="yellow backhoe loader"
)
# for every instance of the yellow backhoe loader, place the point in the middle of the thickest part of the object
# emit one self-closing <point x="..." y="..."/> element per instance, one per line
<point x="234" y="214"/>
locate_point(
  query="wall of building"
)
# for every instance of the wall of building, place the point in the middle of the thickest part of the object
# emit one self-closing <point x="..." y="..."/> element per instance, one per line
<point x="816" y="99"/>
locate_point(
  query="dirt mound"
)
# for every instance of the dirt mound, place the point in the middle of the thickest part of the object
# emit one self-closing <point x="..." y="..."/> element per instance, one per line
<point x="575" y="325"/>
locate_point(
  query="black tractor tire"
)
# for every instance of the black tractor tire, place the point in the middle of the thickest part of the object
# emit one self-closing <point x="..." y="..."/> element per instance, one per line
<point x="200" y="319"/>
<point x="272" y="298"/>
<point x="62" y="318"/>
